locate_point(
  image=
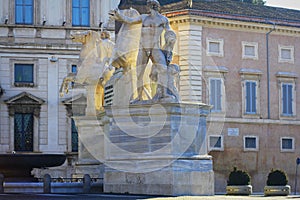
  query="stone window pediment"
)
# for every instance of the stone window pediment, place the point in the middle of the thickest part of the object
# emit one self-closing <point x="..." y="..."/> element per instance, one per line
<point x="24" y="103"/>
<point x="75" y="105"/>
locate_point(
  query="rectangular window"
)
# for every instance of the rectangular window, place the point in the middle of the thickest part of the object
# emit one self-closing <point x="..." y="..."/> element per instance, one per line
<point x="216" y="143"/>
<point x="74" y="136"/>
<point x="250" y="50"/>
<point x="287" y="99"/>
<point x="74" y="69"/>
<point x="286" y="54"/>
<point x="250" y="143"/>
<point x="250" y="97"/>
<point x="23" y="73"/>
<point x="216" y="94"/>
<point x="80" y="12"/>
<point x="24" y="11"/>
<point x="287" y="144"/>
<point x="214" y="47"/>
<point x="23" y="132"/>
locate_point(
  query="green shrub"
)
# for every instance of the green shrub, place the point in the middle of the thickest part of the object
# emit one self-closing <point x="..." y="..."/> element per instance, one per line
<point x="277" y="178"/>
<point x="238" y="177"/>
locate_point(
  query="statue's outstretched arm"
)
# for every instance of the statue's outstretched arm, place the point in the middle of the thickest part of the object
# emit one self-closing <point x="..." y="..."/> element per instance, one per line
<point x="116" y="15"/>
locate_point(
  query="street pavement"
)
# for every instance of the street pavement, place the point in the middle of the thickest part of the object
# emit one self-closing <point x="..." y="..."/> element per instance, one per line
<point x="135" y="197"/>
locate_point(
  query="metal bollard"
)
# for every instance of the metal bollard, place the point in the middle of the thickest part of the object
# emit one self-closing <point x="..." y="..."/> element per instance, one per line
<point x="47" y="184"/>
<point x="87" y="182"/>
<point x="1" y="183"/>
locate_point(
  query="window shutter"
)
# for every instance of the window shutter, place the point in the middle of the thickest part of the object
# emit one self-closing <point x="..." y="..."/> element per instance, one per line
<point x="248" y="97"/>
<point x="75" y="12"/>
<point x="253" y="89"/>
<point x="284" y="99"/>
<point x="290" y="99"/>
<point x="218" y="94"/>
<point x="212" y="93"/>
<point x="19" y="13"/>
<point x="85" y="13"/>
<point x="28" y="12"/>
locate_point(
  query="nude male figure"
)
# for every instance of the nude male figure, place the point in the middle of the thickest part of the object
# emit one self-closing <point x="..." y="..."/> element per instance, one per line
<point x="153" y="24"/>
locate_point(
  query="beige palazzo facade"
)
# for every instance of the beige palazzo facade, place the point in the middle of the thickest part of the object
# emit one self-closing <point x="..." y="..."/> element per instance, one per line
<point x="242" y="59"/>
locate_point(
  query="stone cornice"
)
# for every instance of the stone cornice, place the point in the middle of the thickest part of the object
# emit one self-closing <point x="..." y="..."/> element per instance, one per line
<point x="295" y="122"/>
<point x="236" y="23"/>
<point x="220" y="69"/>
<point x="40" y="50"/>
<point x="250" y="71"/>
<point x="50" y="27"/>
<point x="286" y="75"/>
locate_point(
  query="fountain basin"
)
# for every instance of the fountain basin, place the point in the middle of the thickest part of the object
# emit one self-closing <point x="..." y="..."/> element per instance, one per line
<point x="18" y="166"/>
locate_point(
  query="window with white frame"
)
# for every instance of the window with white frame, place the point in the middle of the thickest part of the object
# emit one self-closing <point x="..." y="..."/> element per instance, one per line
<point x="216" y="142"/>
<point x="287" y="144"/>
<point x="250" y="92"/>
<point x="286" y="54"/>
<point x="250" y="50"/>
<point x="215" y="94"/>
<point x="287" y="94"/>
<point x="214" y="47"/>
<point x="250" y="98"/>
<point x="287" y="99"/>
<point x="250" y="143"/>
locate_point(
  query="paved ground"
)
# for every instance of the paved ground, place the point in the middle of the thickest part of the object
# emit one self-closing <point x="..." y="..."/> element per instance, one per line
<point x="133" y="197"/>
<point x="222" y="197"/>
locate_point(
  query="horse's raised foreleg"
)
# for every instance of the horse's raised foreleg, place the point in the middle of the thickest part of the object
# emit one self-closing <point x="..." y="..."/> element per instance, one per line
<point x="64" y="88"/>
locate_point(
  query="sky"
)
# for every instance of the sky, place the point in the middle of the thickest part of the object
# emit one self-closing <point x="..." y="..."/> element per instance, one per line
<point x="293" y="4"/>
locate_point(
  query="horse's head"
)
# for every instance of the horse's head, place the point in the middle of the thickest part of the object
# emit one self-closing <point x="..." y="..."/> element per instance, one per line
<point x="85" y="36"/>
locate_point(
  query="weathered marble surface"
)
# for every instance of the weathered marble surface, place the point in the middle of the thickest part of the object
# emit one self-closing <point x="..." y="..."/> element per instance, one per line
<point x="182" y="177"/>
<point x="158" y="149"/>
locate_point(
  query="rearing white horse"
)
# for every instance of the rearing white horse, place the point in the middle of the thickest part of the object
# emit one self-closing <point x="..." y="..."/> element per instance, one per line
<point x="92" y="68"/>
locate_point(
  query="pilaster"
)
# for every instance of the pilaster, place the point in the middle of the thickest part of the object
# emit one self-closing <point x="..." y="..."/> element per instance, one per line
<point x="190" y="61"/>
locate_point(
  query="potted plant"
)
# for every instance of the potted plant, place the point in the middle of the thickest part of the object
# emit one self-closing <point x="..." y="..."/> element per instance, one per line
<point x="239" y="183"/>
<point x="277" y="184"/>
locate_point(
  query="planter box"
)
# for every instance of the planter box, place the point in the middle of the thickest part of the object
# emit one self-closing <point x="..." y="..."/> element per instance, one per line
<point x="239" y="190"/>
<point x="277" y="190"/>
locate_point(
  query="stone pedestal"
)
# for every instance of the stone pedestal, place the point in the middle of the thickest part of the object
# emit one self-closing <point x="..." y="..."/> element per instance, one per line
<point x="184" y="176"/>
<point x="158" y="149"/>
<point x="91" y="146"/>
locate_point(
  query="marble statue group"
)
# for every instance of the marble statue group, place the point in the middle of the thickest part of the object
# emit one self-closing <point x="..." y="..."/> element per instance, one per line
<point x="133" y="50"/>
<point x="148" y="141"/>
